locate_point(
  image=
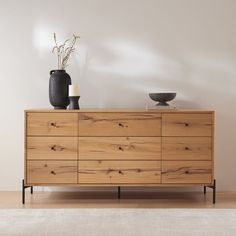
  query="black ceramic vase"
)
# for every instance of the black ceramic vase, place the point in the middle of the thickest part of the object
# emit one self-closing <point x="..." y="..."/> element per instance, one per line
<point x="58" y="89"/>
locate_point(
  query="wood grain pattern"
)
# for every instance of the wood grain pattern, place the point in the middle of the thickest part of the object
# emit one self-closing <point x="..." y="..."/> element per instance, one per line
<point x="186" y="124"/>
<point x="51" y="172"/>
<point x="187" y="172"/>
<point x="52" y="124"/>
<point x="186" y="148"/>
<point x="119" y="148"/>
<point x="119" y="124"/>
<point x="119" y="172"/>
<point x="52" y="148"/>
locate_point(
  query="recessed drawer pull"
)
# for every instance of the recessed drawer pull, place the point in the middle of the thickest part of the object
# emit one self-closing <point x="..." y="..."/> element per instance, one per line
<point x="186" y="148"/>
<point x="120" y="172"/>
<point x="57" y="148"/>
<point x="53" y="173"/>
<point x="54" y="124"/>
<point x="120" y="148"/>
<point x="187" y="172"/>
<point x="186" y="124"/>
<point x="121" y="125"/>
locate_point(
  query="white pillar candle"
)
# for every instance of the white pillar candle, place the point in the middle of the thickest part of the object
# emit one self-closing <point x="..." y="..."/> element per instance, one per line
<point x="73" y="90"/>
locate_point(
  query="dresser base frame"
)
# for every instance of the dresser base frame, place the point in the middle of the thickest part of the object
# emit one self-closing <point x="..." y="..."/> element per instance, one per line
<point x="213" y="187"/>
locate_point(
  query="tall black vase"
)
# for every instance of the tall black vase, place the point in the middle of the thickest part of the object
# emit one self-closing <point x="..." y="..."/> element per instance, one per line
<point x="58" y="89"/>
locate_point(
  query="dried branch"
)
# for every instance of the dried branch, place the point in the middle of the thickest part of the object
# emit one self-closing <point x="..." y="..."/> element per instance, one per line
<point x="55" y="47"/>
<point x="55" y="38"/>
<point x="64" y="51"/>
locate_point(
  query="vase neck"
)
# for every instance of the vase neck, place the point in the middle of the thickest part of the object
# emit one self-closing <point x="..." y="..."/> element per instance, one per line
<point x="60" y="70"/>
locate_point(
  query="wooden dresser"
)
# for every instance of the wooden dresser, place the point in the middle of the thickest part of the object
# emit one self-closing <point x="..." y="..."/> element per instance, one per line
<point x="119" y="148"/>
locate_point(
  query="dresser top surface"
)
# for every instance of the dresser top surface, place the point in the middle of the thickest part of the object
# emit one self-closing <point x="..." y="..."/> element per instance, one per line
<point x="113" y="110"/>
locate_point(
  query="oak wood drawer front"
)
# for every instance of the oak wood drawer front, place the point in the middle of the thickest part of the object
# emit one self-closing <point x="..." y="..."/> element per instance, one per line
<point x="50" y="172"/>
<point x="119" y="124"/>
<point x="119" y="148"/>
<point x="186" y="124"/>
<point x="52" y="148"/>
<point x="111" y="172"/>
<point x="186" y="148"/>
<point x="186" y="172"/>
<point x="52" y="124"/>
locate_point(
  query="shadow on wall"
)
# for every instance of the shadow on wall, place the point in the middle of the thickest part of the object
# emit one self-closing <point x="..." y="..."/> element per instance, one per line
<point x="123" y="73"/>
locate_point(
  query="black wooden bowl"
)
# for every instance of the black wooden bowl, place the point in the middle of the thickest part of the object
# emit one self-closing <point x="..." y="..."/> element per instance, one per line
<point x="162" y="98"/>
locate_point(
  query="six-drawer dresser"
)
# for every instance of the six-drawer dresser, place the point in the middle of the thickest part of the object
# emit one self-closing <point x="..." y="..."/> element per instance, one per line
<point x="128" y="147"/>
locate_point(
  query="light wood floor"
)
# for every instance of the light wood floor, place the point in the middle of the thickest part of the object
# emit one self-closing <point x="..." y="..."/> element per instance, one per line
<point x="98" y="199"/>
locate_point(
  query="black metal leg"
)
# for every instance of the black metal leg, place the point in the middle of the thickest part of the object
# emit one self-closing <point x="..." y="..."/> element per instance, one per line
<point x="214" y="192"/>
<point x="23" y="192"/>
<point x="118" y="192"/>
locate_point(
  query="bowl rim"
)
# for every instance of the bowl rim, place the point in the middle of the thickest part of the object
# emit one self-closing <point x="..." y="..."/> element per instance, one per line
<point x="161" y="93"/>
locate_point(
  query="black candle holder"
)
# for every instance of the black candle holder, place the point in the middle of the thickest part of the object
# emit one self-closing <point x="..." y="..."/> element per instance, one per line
<point x="74" y="103"/>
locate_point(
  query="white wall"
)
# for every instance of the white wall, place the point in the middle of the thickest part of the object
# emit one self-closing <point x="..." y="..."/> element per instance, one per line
<point x="127" y="48"/>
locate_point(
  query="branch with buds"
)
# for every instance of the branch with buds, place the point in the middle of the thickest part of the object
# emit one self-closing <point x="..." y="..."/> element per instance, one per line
<point x="64" y="51"/>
